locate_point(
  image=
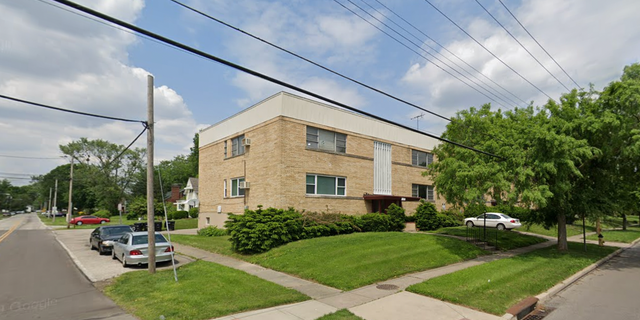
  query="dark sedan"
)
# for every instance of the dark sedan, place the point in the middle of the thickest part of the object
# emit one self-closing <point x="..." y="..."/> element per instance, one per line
<point x="102" y="238"/>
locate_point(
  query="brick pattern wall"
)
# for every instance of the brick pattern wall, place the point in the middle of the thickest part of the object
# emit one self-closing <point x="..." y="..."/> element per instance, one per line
<point x="276" y="165"/>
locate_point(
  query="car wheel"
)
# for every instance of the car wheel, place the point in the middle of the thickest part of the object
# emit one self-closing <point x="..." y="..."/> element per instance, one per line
<point x="79" y="223"/>
<point x="124" y="262"/>
<point x="113" y="255"/>
<point x="501" y="227"/>
<point x="469" y="224"/>
<point x="103" y="222"/>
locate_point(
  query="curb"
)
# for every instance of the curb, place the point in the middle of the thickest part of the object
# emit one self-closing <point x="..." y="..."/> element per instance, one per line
<point x="82" y="269"/>
<point x="547" y="295"/>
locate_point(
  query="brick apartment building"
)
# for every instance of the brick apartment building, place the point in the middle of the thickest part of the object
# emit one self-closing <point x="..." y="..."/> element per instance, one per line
<point x="289" y="151"/>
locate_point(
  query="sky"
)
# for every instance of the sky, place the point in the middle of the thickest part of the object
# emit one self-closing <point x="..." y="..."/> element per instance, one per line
<point x="53" y="55"/>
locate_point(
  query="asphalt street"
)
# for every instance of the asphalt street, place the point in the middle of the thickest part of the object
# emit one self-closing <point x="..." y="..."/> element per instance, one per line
<point x="610" y="292"/>
<point x="38" y="279"/>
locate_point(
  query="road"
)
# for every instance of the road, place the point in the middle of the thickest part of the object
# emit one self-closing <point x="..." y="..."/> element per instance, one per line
<point x="610" y="292"/>
<point x="38" y="280"/>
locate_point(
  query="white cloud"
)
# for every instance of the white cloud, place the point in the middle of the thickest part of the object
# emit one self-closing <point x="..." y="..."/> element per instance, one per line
<point x="593" y="41"/>
<point x="57" y="58"/>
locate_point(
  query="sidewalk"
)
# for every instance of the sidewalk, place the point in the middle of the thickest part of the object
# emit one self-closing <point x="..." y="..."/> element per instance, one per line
<point x="386" y="300"/>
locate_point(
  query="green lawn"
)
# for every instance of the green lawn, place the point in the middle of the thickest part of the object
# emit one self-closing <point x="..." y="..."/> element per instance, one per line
<point x="186" y="223"/>
<point x="572" y="230"/>
<point x="495" y="286"/>
<point x="506" y="240"/>
<point x="351" y="261"/>
<point x="342" y="314"/>
<point x="205" y="290"/>
<point x="628" y="236"/>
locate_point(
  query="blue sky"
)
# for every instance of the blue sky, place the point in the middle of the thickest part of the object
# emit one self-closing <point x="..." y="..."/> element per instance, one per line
<point x="55" y="57"/>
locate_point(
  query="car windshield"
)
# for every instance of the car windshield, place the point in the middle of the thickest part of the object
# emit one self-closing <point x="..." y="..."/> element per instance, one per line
<point x="117" y="231"/>
<point x="145" y="240"/>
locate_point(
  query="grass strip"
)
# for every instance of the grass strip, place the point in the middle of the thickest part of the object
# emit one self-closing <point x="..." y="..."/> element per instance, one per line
<point x="495" y="286"/>
<point x="507" y="240"/>
<point x="205" y="290"/>
<point x="342" y="314"/>
<point x="626" y="236"/>
<point x="351" y="261"/>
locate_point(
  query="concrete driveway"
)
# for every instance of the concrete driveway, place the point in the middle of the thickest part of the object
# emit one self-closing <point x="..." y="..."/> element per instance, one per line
<point x="98" y="267"/>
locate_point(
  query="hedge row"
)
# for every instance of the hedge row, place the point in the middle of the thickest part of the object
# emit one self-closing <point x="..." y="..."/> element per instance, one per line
<point x="261" y="230"/>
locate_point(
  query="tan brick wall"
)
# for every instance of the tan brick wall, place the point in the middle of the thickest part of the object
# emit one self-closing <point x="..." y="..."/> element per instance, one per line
<point x="276" y="166"/>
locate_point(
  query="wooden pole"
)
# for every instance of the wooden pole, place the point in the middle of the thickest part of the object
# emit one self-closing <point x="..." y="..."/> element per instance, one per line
<point x="150" y="211"/>
<point x="55" y="203"/>
<point x="70" y="208"/>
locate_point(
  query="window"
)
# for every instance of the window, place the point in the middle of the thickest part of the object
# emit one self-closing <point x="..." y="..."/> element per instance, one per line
<point x="208" y="221"/>
<point x="327" y="185"/>
<point x="225" y="148"/>
<point x="422" y="159"/>
<point x="225" y="188"/>
<point x="236" y="146"/>
<point x="422" y="191"/>
<point x="235" y="187"/>
<point x="326" y="140"/>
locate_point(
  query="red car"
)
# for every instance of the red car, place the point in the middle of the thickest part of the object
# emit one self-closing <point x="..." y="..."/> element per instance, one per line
<point x="88" y="220"/>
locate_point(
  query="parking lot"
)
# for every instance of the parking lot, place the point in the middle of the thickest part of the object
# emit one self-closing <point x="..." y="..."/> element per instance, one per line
<point x="100" y="267"/>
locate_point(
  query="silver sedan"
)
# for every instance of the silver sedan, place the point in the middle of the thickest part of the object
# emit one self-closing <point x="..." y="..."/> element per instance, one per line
<point x="494" y="220"/>
<point x="133" y="249"/>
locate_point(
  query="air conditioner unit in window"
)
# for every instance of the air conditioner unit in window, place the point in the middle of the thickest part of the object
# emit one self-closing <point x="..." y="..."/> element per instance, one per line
<point x="243" y="185"/>
<point x="246" y="142"/>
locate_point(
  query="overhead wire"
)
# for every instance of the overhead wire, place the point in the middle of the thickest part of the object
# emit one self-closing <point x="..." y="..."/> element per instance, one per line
<point x="541" y="47"/>
<point x="489" y="51"/>
<point x="452" y="53"/>
<point x="414" y="51"/>
<point x="28" y="157"/>
<point x="308" y="60"/>
<point x="523" y="47"/>
<point x="68" y="110"/>
<point x="487" y="86"/>
<point x="257" y="74"/>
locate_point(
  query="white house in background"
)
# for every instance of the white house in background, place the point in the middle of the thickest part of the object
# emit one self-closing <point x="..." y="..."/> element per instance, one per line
<point x="190" y="196"/>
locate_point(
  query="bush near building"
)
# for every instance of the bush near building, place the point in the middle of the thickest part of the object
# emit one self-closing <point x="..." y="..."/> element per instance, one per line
<point x="264" y="229"/>
<point x="194" y="212"/>
<point x="428" y="218"/>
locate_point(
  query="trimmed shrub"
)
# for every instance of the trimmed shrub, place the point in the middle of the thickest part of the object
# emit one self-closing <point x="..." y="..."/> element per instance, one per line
<point x="194" y="212"/>
<point x="132" y="216"/>
<point x="260" y="230"/>
<point x="102" y="213"/>
<point x="523" y="214"/>
<point x="180" y="215"/>
<point x="377" y="222"/>
<point x="397" y="213"/>
<point x="212" y="231"/>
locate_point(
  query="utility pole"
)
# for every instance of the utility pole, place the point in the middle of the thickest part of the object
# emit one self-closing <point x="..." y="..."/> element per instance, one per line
<point x="70" y="208"/>
<point x="49" y="208"/>
<point x="418" y="120"/>
<point x="150" y="211"/>
<point x="55" y="205"/>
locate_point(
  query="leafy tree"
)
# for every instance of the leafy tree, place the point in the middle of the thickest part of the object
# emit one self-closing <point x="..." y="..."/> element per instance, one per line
<point x="108" y="166"/>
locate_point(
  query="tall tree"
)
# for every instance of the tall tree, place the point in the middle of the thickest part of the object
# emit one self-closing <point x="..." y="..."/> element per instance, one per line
<point x="108" y="166"/>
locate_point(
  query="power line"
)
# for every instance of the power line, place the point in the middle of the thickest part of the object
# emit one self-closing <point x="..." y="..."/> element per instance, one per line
<point x="427" y="52"/>
<point x="254" y="73"/>
<point x="523" y="47"/>
<point x="453" y="54"/>
<point x="485" y="48"/>
<point x="68" y="110"/>
<point x="307" y="60"/>
<point x="406" y="46"/>
<point x="543" y="49"/>
<point x="27" y="157"/>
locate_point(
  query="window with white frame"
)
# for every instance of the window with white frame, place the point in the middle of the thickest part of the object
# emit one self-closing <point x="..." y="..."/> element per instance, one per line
<point x="422" y="191"/>
<point x="236" y="191"/>
<point x="421" y="158"/>
<point x="237" y="148"/>
<point x="225" y="188"/>
<point x="326" y="185"/>
<point x="326" y="140"/>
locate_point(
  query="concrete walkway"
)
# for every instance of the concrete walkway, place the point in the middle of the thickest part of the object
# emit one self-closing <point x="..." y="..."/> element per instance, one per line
<point x="385" y="300"/>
